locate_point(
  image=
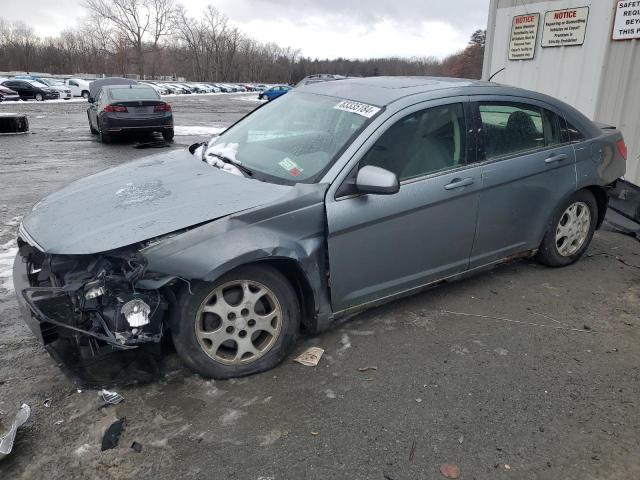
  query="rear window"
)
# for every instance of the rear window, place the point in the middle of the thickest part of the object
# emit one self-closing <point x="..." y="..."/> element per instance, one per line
<point x="124" y="94"/>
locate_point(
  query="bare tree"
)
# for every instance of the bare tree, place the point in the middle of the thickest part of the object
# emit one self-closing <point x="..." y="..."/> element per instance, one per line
<point x="137" y="22"/>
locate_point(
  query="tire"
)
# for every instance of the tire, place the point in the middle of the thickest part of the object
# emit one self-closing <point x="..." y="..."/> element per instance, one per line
<point x="225" y="354"/>
<point x="167" y="134"/>
<point x="104" y="137"/>
<point x="39" y="97"/>
<point x="570" y="230"/>
<point x="85" y="94"/>
<point x="91" y="129"/>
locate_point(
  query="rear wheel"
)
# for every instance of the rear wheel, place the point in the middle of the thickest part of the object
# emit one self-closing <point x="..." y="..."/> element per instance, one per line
<point x="167" y="134"/>
<point x="244" y="323"/>
<point x="571" y="230"/>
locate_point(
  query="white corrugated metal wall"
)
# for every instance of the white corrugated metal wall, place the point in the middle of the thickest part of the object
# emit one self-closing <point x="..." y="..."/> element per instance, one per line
<point x="601" y="78"/>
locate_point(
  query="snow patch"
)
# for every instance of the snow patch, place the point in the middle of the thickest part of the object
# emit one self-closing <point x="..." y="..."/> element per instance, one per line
<point x="345" y="341"/>
<point x="197" y="130"/>
<point x="8" y="252"/>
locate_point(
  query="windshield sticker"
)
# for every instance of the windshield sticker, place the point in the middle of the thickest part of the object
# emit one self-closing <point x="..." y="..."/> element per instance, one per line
<point x="357" y="108"/>
<point x="290" y="166"/>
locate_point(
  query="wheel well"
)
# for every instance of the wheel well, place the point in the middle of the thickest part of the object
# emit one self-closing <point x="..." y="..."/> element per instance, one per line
<point x="602" y="200"/>
<point x="296" y="276"/>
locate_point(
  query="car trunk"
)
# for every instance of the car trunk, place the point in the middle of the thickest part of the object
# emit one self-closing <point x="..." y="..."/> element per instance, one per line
<point x="138" y="109"/>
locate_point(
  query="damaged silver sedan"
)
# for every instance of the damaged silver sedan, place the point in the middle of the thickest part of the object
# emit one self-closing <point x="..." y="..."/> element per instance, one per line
<point x="334" y="198"/>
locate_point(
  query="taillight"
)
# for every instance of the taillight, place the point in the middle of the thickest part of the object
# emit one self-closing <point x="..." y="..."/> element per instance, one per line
<point x="622" y="148"/>
<point x="115" y="108"/>
<point x="162" y="107"/>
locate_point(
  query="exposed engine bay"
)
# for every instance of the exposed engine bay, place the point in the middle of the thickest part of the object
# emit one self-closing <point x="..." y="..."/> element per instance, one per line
<point x="88" y="307"/>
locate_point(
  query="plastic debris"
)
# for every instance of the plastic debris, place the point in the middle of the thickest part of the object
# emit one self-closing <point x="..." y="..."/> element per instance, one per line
<point x="136" y="447"/>
<point x="112" y="435"/>
<point x="47" y="402"/>
<point x="310" y="357"/>
<point x="110" y="397"/>
<point x="315" y="434"/>
<point x="450" y="470"/>
<point x="7" y="438"/>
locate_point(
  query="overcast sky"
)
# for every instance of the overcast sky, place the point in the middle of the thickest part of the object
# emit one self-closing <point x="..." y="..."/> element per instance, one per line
<point x="320" y="28"/>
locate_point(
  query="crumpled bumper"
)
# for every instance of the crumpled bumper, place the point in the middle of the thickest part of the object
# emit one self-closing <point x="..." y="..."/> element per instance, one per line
<point x="89" y="360"/>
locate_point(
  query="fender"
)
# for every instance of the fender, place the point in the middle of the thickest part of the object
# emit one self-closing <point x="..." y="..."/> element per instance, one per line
<point x="292" y="228"/>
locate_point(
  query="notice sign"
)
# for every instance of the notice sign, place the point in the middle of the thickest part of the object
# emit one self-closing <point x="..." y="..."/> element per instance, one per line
<point x="626" y="25"/>
<point x="524" y="32"/>
<point x="565" y="27"/>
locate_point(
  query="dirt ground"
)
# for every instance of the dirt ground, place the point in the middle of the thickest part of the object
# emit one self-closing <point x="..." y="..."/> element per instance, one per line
<point x="544" y="383"/>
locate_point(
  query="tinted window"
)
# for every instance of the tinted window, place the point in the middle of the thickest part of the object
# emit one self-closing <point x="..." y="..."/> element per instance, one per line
<point x="421" y="143"/>
<point x="510" y="128"/>
<point x="124" y="94"/>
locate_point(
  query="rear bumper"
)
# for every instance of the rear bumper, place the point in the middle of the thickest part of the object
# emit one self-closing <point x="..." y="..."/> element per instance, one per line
<point x="149" y="124"/>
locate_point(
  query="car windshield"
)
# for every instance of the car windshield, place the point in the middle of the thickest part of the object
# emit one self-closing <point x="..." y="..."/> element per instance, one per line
<point x="294" y="138"/>
<point x="124" y="94"/>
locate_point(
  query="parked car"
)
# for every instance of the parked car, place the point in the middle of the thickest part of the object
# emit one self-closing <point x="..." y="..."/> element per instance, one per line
<point x="161" y="89"/>
<point x="31" y="90"/>
<point x="180" y="89"/>
<point x="78" y="87"/>
<point x="274" y="92"/>
<point x="223" y="88"/>
<point x="118" y="109"/>
<point x="63" y="90"/>
<point x="8" y="95"/>
<point x="338" y="197"/>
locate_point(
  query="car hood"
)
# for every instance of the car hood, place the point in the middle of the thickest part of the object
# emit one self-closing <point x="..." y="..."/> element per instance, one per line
<point x="140" y="200"/>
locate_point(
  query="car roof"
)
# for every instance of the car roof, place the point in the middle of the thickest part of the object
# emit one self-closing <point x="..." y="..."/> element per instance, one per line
<point x="382" y="91"/>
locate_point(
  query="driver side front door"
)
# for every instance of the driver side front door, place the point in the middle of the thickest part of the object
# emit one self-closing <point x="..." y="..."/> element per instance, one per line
<point x="384" y="245"/>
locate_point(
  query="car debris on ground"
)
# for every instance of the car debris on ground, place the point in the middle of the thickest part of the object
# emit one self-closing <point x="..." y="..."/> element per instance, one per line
<point x="112" y="435"/>
<point x="310" y="357"/>
<point x="8" y="437"/>
<point x="110" y="398"/>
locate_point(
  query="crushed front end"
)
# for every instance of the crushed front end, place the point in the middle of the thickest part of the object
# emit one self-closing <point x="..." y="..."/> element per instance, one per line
<point x="90" y="314"/>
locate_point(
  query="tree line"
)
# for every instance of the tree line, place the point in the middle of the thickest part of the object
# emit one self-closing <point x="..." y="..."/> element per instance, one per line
<point x="157" y="38"/>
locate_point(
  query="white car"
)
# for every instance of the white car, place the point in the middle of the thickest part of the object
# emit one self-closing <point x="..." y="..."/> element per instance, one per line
<point x="158" y="88"/>
<point x="59" y="86"/>
<point x="78" y="87"/>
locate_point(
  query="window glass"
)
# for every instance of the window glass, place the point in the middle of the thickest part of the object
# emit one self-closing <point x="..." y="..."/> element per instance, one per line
<point x="293" y="139"/>
<point x="571" y="133"/>
<point x="421" y="143"/>
<point x="124" y="94"/>
<point x="510" y="128"/>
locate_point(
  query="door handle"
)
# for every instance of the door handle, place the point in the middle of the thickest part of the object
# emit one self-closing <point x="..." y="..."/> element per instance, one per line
<point x="459" y="183"/>
<point x="556" y="158"/>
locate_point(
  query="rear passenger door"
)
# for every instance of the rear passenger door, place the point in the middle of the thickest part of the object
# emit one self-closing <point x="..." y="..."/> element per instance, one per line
<point x="528" y="167"/>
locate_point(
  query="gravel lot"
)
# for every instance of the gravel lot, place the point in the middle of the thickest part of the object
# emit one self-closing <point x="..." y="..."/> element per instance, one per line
<point x="545" y="384"/>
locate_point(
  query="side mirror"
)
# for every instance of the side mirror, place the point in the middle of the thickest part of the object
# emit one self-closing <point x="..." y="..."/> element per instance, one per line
<point x="377" y="181"/>
<point x="92" y="100"/>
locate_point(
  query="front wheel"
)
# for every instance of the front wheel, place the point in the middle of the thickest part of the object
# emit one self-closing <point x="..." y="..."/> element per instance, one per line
<point x="39" y="97"/>
<point x="571" y="230"/>
<point x="244" y="323"/>
<point x="85" y="94"/>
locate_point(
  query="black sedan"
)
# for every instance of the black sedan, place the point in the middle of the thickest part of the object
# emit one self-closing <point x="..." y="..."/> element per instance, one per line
<point x="129" y="109"/>
<point x="29" y="90"/>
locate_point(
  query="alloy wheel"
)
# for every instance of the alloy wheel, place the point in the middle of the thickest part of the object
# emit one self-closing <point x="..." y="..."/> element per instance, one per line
<point x="238" y="322"/>
<point x="573" y="228"/>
